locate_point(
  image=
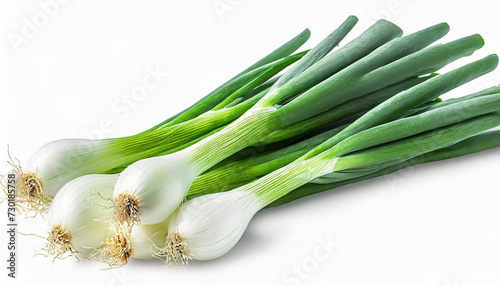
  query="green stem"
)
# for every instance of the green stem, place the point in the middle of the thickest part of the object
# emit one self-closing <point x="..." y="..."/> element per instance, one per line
<point x="403" y="150"/>
<point x="417" y="95"/>
<point x="173" y="138"/>
<point x="265" y="76"/>
<point x="351" y="82"/>
<point x="226" y="89"/>
<point x="316" y="54"/>
<point x="417" y="124"/>
<point x="236" y="174"/>
<point x="258" y="122"/>
<point x="474" y="144"/>
<point x="240" y="172"/>
<point x="287" y="178"/>
<point x="282" y="181"/>
<point x="247" y="130"/>
<point x="284" y="50"/>
<point x="378" y="34"/>
<point x="352" y="107"/>
<point x="237" y="170"/>
<point x="488" y="91"/>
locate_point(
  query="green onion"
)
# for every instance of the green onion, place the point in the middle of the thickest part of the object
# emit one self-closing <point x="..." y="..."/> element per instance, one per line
<point x="236" y="173"/>
<point x="149" y="190"/>
<point x="77" y="216"/>
<point x="474" y="144"/>
<point x="208" y="226"/>
<point x="140" y="243"/>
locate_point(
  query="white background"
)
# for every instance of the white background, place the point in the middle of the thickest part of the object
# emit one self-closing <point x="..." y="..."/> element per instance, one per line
<point x="437" y="224"/>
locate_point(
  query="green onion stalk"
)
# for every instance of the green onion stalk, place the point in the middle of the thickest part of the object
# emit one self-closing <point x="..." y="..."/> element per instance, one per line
<point x="148" y="191"/>
<point x="478" y="143"/>
<point x="208" y="226"/>
<point x="238" y="171"/>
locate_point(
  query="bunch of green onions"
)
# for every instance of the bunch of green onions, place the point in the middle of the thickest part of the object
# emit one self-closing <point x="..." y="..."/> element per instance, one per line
<point x="188" y="187"/>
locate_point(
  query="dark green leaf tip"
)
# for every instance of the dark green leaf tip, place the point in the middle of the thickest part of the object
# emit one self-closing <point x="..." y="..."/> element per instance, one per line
<point x="479" y="39"/>
<point x="306" y="34"/>
<point x="390" y="25"/>
<point x="352" y="18"/>
<point x="444" y="26"/>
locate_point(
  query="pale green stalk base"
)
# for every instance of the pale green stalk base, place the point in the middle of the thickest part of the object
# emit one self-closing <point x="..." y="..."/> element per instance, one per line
<point x="245" y="131"/>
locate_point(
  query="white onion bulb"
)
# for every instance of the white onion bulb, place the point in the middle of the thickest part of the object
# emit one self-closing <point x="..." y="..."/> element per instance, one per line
<point x="78" y="215"/>
<point x="208" y="226"/>
<point x="142" y="242"/>
<point x="151" y="189"/>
